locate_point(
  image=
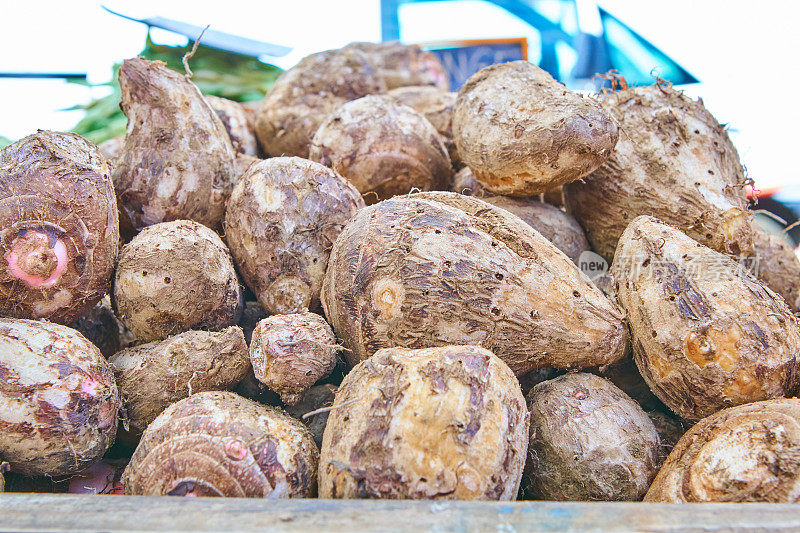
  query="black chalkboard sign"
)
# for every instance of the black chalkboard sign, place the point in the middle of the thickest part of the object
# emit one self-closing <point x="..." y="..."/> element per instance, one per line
<point x="462" y="59"/>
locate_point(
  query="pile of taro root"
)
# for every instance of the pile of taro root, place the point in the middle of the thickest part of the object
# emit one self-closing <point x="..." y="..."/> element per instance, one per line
<point x="367" y="286"/>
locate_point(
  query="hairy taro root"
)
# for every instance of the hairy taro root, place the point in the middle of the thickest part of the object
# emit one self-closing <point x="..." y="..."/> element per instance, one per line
<point x="706" y="334"/>
<point x="436" y="423"/>
<point x="100" y="327"/>
<point x="778" y="266"/>
<point x="674" y="162"/>
<point x="178" y="161"/>
<point x="152" y="376"/>
<point x="58" y="399"/>
<point x="748" y="453"/>
<point x="402" y="65"/>
<point x="290" y="353"/>
<point x="432" y="269"/>
<point x="383" y="148"/>
<point x="522" y="133"/>
<point x="281" y="220"/>
<point x="303" y="96"/>
<point x="239" y="124"/>
<point x="588" y="441"/>
<point x="437" y="106"/>
<point x="220" y="444"/>
<point x="173" y="277"/>
<point x="59" y="228"/>
<point x="314" y="399"/>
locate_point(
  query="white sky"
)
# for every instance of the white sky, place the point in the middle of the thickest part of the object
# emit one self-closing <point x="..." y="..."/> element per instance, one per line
<point x="743" y="51"/>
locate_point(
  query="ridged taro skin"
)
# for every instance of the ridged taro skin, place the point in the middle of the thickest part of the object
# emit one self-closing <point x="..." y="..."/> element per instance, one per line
<point x="178" y="161"/>
<point x="403" y="65"/>
<point x="58" y="399"/>
<point x="220" y="444"/>
<point x="588" y="442"/>
<point x="154" y="375"/>
<point x="706" y="334"/>
<point x="522" y="133"/>
<point x="437" y="423"/>
<point x="748" y="453"/>
<point x="280" y="224"/>
<point x="439" y="268"/>
<point x="290" y="353"/>
<point x="383" y="148"/>
<point x="673" y="161"/>
<point x="778" y="266"/>
<point x="303" y="96"/>
<point x="437" y="106"/>
<point x="239" y="123"/>
<point x="173" y="277"/>
<point x="59" y="228"/>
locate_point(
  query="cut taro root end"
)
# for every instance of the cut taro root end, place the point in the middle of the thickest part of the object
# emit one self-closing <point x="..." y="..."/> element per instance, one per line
<point x="36" y="258"/>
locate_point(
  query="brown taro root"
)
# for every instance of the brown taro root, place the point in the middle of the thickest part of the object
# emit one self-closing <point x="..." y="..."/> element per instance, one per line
<point x="290" y="353"/>
<point x="588" y="441"/>
<point x="523" y="133"/>
<point x="437" y="423"/>
<point x="111" y="148"/>
<point x="402" y="65"/>
<point x="58" y="399"/>
<point x="436" y="105"/>
<point x="100" y="327"/>
<point x="432" y="269"/>
<point x="252" y="314"/>
<point x="748" y="453"/>
<point x="307" y="93"/>
<point x="242" y="164"/>
<point x="281" y="221"/>
<point x="778" y="266"/>
<point x="316" y="398"/>
<point x="383" y="148"/>
<point x="220" y="444"/>
<point x="706" y="334"/>
<point x="173" y="277"/>
<point x="625" y="375"/>
<point x="288" y="350"/>
<point x="59" y="231"/>
<point x="239" y="124"/>
<point x="675" y="162"/>
<point x="554" y="224"/>
<point x="178" y="161"/>
<point x="152" y="376"/>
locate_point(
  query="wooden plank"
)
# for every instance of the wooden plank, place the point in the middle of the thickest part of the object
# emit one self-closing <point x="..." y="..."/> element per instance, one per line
<point x="61" y="512"/>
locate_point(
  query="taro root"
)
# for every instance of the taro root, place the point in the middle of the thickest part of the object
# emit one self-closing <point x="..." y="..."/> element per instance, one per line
<point x="281" y="221"/>
<point x="748" y="453"/>
<point x="152" y="376"/>
<point x="674" y="162"/>
<point x="383" y="148"/>
<point x="706" y="334"/>
<point x="3" y="469"/>
<point x="111" y="148"/>
<point x="58" y="399"/>
<point x="303" y="96"/>
<point x="402" y="65"/>
<point x="178" y="161"/>
<point x="252" y="314"/>
<point x="436" y="423"/>
<point x="290" y="353"/>
<point x="436" y="105"/>
<point x="242" y="164"/>
<point x="432" y="269"/>
<point x="239" y="124"/>
<point x="100" y="327"/>
<point x="59" y="231"/>
<point x="173" y="277"/>
<point x="103" y="477"/>
<point x="588" y="441"/>
<point x="464" y="182"/>
<point x="625" y="375"/>
<point x="523" y="133"/>
<point x="778" y="266"/>
<point x="314" y="399"/>
<point x="220" y="444"/>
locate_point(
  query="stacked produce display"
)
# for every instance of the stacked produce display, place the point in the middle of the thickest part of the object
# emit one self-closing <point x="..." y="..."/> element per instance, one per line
<point x="356" y="289"/>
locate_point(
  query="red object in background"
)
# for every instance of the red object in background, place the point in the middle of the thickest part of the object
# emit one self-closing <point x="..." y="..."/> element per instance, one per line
<point x="753" y="193"/>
